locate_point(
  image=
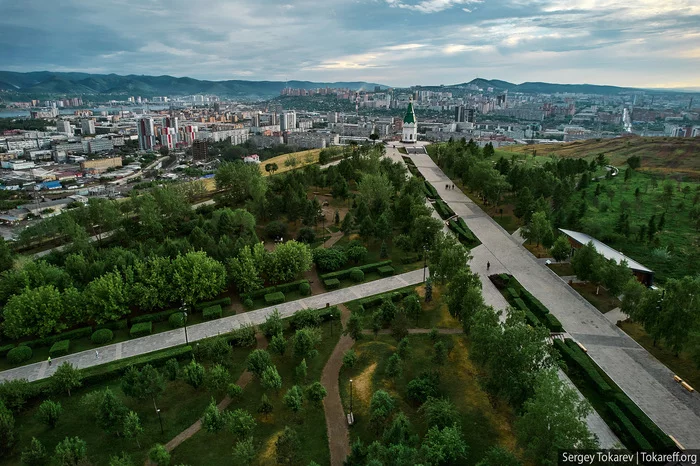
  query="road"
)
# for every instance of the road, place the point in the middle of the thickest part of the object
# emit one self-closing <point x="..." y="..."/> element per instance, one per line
<point x="644" y="379"/>
<point x="109" y="353"/>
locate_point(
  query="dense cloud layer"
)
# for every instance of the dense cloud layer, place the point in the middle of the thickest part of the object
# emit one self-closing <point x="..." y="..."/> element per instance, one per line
<point x="397" y="42"/>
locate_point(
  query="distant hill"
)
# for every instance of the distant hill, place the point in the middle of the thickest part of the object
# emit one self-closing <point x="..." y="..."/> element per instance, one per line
<point x="544" y="88"/>
<point x="47" y="82"/>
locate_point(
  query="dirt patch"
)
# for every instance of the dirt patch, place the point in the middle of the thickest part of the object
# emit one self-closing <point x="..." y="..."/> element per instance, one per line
<point x="362" y="385"/>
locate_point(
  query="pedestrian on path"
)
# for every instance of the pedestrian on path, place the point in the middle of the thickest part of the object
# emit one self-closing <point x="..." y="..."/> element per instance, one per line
<point x="488" y="265"/>
<point x="97" y="355"/>
<point x="49" y="360"/>
<point x="453" y="186"/>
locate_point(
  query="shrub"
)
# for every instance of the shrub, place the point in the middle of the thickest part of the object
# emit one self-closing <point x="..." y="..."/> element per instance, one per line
<point x="154" y="317"/>
<point x="646" y="426"/>
<point x="576" y="358"/>
<point x="172" y="368"/>
<point x="424" y="386"/>
<point x="386" y="271"/>
<point x="306" y="235"/>
<point x="223" y="302"/>
<point x="357" y="275"/>
<point x="274" y="298"/>
<point x="142" y="329"/>
<point x="305" y="318"/>
<point x="6" y="349"/>
<point x="275" y="229"/>
<point x="349" y="358"/>
<point x="328" y="260"/>
<point x="211" y="313"/>
<point x="513" y="293"/>
<point x="234" y="391"/>
<point x="19" y="354"/>
<point x="553" y="323"/>
<point x="102" y="336"/>
<point x="177" y="320"/>
<point x="304" y="289"/>
<point x="287" y="287"/>
<point x="248" y="303"/>
<point x="71" y="335"/>
<point x="627" y="428"/>
<point x="243" y="336"/>
<point x="331" y="284"/>
<point x="116" y="325"/>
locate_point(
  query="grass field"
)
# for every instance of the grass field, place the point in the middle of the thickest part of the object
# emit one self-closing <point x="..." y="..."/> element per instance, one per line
<point x="563" y="269"/>
<point x="483" y="426"/>
<point x="601" y="301"/>
<point x="302" y="158"/>
<point x="310" y="424"/>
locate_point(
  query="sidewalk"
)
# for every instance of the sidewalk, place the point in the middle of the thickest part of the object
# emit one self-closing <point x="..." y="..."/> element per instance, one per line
<point x="135" y="347"/>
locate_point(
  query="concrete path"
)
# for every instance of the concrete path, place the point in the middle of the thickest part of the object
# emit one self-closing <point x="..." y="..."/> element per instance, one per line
<point x="615" y="316"/>
<point x="644" y="379"/>
<point x="336" y="423"/>
<point x="212" y="328"/>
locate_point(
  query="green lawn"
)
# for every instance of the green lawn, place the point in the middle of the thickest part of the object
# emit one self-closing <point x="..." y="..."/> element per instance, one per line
<point x="310" y="424"/>
<point x="602" y="301"/>
<point x="180" y="406"/>
<point x="483" y="426"/>
<point x="563" y="269"/>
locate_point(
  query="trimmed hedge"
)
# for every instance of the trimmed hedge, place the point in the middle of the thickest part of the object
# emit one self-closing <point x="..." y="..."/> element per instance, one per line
<point x="345" y="273"/>
<point x="71" y="335"/>
<point x="102" y="336"/>
<point x="115" y="325"/>
<point x="386" y="271"/>
<point x="155" y="317"/>
<point x="305" y="289"/>
<point x="60" y="348"/>
<point x="177" y="319"/>
<point x="553" y="323"/>
<point x="513" y="292"/>
<point x="223" y="302"/>
<point x="283" y="288"/>
<point x="331" y="283"/>
<point x="430" y="190"/>
<point x="19" y="354"/>
<point x="211" y="313"/>
<point x="465" y="235"/>
<point x="443" y="209"/>
<point x="646" y="426"/>
<point x="312" y="317"/>
<point x="576" y="358"/>
<point x="357" y="275"/>
<point x="142" y="329"/>
<point x="376" y="300"/>
<point x="5" y="349"/>
<point x="627" y="427"/>
<point x="274" y="298"/>
<point x="409" y="258"/>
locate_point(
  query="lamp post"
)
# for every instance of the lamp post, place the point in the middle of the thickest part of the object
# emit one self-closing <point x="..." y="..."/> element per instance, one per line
<point x="160" y="420"/>
<point x="425" y="260"/>
<point x="331" y="324"/>
<point x="187" y="341"/>
<point x="351" y="396"/>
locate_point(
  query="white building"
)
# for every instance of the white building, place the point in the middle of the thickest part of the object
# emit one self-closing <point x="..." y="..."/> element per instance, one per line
<point x="87" y="126"/>
<point x="288" y="121"/>
<point x="63" y="126"/>
<point x="410" y="125"/>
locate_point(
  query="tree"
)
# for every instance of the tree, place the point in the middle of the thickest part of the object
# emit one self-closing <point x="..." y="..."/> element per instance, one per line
<point x="499" y="456"/>
<point x="586" y="262"/>
<point x="278" y="344"/>
<point x="108" y="297"/>
<point x="6" y="256"/>
<point x="7" y="430"/>
<point x="403" y="348"/>
<point x="196" y="277"/>
<point x="376" y="191"/>
<point x="258" y="360"/>
<point x="616" y="276"/>
<point x="241" y="181"/>
<point x="305" y="342"/>
<point x="35" y="454"/>
<point x="383" y="251"/>
<point x="380" y="407"/>
<point x="132" y="427"/>
<point x="273" y="324"/>
<point x="445" y="446"/>
<point x="271" y="168"/>
<point x="49" y="412"/>
<point x="439" y="353"/>
<point x="287" y="261"/>
<point x="428" y="290"/>
<point x="193" y="374"/>
<point x="124" y="460"/>
<point x="218" y="378"/>
<point x="70" y="451"/>
<point x="265" y="406"/>
<point x="399" y="325"/>
<point x="213" y="420"/>
<point x="294" y="399"/>
<point x="315" y="393"/>
<point x="447" y="255"/>
<point x="561" y="248"/>
<point x="271" y="379"/>
<point x="240" y="423"/>
<point x="244" y="452"/>
<point x="148" y="382"/>
<point x="680" y="307"/>
<point x="300" y="371"/>
<point x="245" y="271"/>
<point x="287" y="446"/>
<point x="464" y="296"/>
<point x="354" y="326"/>
<point x="439" y="412"/>
<point x="393" y="366"/>
<point x="66" y="378"/>
<point x="348" y="223"/>
<point x="34" y="311"/>
<point x="553" y="420"/>
<point x="538" y="228"/>
<point x="110" y="412"/>
<point x="349" y="358"/>
<point x="159" y="455"/>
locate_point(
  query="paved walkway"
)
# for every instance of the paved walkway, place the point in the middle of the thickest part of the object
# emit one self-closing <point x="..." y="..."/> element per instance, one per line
<point x="615" y="316"/>
<point x="644" y="379"/>
<point x="212" y="328"/>
<point x="336" y="423"/>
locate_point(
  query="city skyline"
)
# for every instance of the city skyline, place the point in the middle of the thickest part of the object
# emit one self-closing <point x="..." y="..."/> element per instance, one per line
<point x="392" y="42"/>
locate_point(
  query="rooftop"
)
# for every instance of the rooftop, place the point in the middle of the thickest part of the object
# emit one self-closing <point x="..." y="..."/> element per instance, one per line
<point x="410" y="114"/>
<point x="605" y="250"/>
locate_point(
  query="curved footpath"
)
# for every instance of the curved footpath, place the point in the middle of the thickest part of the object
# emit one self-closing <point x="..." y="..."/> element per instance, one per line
<point x="644" y="379"/>
<point x="159" y="341"/>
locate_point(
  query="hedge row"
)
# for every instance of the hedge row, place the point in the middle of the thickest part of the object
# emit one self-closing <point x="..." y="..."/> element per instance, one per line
<point x="430" y="190"/>
<point x="115" y="325"/>
<point x="71" y="335"/>
<point x="386" y="271"/>
<point x="331" y="283"/>
<point x="345" y="273"/>
<point x="465" y="235"/>
<point x="60" y="348"/>
<point x="575" y="357"/>
<point x="141" y="330"/>
<point x="513" y="292"/>
<point x="627" y="427"/>
<point x="646" y="426"/>
<point x="283" y="288"/>
<point x="528" y="303"/>
<point x="274" y="298"/>
<point x="155" y="317"/>
<point x="19" y="354"/>
<point x="5" y="349"/>
<point x="223" y="302"/>
<point x="376" y="300"/>
<point x="102" y="336"/>
<point x="443" y="209"/>
<point x="212" y="312"/>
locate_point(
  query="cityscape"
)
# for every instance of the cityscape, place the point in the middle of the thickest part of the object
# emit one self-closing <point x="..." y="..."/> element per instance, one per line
<point x="252" y="248"/>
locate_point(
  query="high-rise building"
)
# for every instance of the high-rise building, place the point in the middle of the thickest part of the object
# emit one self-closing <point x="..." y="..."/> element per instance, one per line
<point x="190" y="133"/>
<point x="147" y="136"/>
<point x="459" y="113"/>
<point x="168" y="137"/>
<point x="200" y="150"/>
<point x="256" y="120"/>
<point x="288" y="121"/>
<point x="87" y="126"/>
<point x="63" y="126"/>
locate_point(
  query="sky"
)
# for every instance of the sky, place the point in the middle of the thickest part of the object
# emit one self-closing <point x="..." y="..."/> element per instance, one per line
<point x="640" y="43"/>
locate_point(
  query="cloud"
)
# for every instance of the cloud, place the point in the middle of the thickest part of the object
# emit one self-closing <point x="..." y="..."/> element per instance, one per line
<point x="431" y="6"/>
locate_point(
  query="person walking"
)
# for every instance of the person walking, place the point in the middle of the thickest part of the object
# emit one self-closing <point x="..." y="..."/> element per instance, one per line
<point x="488" y="265"/>
<point x="97" y="355"/>
<point x="49" y="360"/>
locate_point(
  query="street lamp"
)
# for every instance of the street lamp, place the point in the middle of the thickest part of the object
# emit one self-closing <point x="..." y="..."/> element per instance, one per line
<point x="350" y="396"/>
<point x="425" y="260"/>
<point x="187" y="342"/>
<point x="331" y="324"/>
<point x="160" y="420"/>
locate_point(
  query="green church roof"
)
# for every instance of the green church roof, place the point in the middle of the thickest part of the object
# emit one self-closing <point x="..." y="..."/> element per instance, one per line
<point x="410" y="114"/>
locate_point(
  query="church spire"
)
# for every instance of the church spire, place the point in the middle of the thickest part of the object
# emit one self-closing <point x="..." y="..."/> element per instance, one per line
<point x="410" y="114"/>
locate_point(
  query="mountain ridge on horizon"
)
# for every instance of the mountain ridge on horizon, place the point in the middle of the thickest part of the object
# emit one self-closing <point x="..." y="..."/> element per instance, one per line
<point x="54" y="83"/>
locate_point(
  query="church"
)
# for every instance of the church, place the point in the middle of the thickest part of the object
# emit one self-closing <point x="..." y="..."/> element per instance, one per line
<point x="410" y="125"/>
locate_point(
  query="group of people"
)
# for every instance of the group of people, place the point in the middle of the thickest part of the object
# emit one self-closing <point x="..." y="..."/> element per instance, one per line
<point x="447" y="186"/>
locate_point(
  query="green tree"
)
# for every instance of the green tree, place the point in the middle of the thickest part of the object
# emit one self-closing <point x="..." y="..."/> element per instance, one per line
<point x="66" y="378"/>
<point x="245" y="271"/>
<point x="381" y="407"/>
<point x="70" y="451"/>
<point x="553" y="420"/>
<point x="110" y="412"/>
<point x="287" y="447"/>
<point x="278" y="344"/>
<point x="300" y="371"/>
<point x="464" y="296"/>
<point x="7" y="430"/>
<point x="305" y="342"/>
<point x="193" y="374"/>
<point x="348" y="223"/>
<point x="258" y="360"/>
<point x="376" y="191"/>
<point x="445" y="446"/>
<point x="240" y="423"/>
<point x="49" y="412"/>
<point x="273" y="324"/>
<point x="132" y="427"/>
<point x="159" y="455"/>
<point x="271" y="379"/>
<point x="213" y="420"/>
<point x="35" y="454"/>
<point x="349" y="358"/>
<point x="499" y="456"/>
<point x="108" y="297"/>
<point x="147" y="382"/>
<point x="447" y="255"/>
<point x="35" y="311"/>
<point x="196" y="277"/>
<point x="439" y="354"/>
<point x="616" y="276"/>
<point x="6" y="256"/>
<point x="241" y="181"/>
<point x="244" y="452"/>
<point x="218" y="378"/>
<point x="123" y="460"/>
<point x="294" y="399"/>
<point x="586" y="262"/>
<point x="680" y="308"/>
<point x="287" y="261"/>
<point x="439" y="412"/>
<point x="561" y="248"/>
<point x="394" y="366"/>
<point x="538" y="228"/>
<point x="315" y="393"/>
<point x="265" y="406"/>
<point x="403" y="348"/>
<point x="354" y="326"/>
